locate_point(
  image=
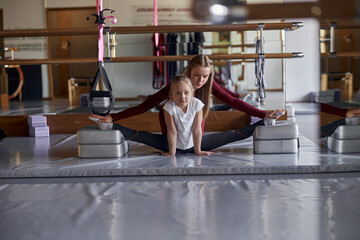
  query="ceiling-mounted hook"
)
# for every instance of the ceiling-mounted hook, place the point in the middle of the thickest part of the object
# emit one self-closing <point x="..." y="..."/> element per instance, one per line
<point x="100" y="19"/>
<point x="96" y="16"/>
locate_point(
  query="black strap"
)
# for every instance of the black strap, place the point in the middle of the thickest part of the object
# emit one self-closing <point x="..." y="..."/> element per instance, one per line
<point x="94" y="93"/>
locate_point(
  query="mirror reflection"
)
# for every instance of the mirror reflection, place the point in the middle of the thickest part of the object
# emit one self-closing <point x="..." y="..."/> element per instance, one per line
<point x="62" y="88"/>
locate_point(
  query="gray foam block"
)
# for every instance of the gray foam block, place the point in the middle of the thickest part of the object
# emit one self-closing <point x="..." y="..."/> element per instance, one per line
<point x="343" y="145"/>
<point x="36" y="121"/>
<point x="276" y="146"/>
<point x="92" y="135"/>
<point x="281" y="130"/>
<point x="347" y="132"/>
<point x="103" y="150"/>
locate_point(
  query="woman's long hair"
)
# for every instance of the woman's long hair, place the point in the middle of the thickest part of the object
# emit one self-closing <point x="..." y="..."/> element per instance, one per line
<point x="204" y="92"/>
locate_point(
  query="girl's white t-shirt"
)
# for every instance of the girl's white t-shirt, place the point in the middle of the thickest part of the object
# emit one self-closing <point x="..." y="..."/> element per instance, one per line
<point x="184" y="121"/>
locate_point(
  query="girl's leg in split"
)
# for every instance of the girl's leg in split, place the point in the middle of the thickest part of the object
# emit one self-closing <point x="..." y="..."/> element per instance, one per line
<point x="157" y="141"/>
<point x="328" y="129"/>
<point x="212" y="141"/>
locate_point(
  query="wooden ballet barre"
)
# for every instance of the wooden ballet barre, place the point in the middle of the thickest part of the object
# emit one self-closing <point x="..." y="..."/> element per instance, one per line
<point x="343" y="24"/>
<point x="147" y="58"/>
<point x="205" y="28"/>
<point x="224" y="63"/>
<point x="148" y="29"/>
<point x="340" y="54"/>
<point x="227" y="46"/>
<point x="213" y="57"/>
<point x="49" y="32"/>
<point x="6" y="49"/>
<point x="48" y="61"/>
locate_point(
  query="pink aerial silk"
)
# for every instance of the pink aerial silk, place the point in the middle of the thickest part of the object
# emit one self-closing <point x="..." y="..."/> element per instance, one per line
<point x="101" y="29"/>
<point x="155" y="24"/>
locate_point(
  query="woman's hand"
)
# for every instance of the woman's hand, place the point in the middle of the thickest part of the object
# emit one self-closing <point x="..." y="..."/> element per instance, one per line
<point x="204" y="153"/>
<point x="275" y="114"/>
<point x="106" y="119"/>
<point x="353" y="113"/>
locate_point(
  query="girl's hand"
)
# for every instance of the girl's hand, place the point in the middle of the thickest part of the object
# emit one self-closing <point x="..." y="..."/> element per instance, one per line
<point x="107" y="118"/>
<point x="166" y="154"/>
<point x="353" y="113"/>
<point x="204" y="153"/>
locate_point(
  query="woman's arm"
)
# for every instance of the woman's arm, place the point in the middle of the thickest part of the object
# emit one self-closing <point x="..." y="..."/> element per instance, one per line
<point x="149" y="103"/>
<point x="171" y="134"/>
<point x="236" y="103"/>
<point x="197" y="134"/>
<point x="353" y="113"/>
<point x="326" y="108"/>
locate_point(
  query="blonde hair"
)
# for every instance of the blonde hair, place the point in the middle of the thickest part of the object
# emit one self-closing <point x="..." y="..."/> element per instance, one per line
<point x="204" y="92"/>
<point x="181" y="78"/>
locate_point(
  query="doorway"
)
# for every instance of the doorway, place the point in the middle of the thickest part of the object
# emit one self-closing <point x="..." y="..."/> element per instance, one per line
<point x="70" y="47"/>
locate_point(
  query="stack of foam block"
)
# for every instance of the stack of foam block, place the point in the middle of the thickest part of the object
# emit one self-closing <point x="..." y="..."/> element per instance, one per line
<point x="41" y="147"/>
<point x="96" y="143"/>
<point x="290" y="110"/>
<point x="37" y="126"/>
<point x="331" y="95"/>
<point x="282" y="137"/>
<point x="345" y="139"/>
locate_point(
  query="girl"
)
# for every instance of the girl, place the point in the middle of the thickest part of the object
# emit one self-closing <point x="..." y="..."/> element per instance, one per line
<point x="183" y="117"/>
<point x="199" y="70"/>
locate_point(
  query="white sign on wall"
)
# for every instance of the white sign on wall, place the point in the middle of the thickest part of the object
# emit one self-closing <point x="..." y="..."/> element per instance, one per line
<point x="167" y="15"/>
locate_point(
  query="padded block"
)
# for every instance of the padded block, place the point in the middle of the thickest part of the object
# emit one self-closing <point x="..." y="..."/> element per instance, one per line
<point x="103" y="150"/>
<point x="92" y="135"/>
<point x="347" y="132"/>
<point x="290" y="111"/>
<point x="39" y="131"/>
<point x="281" y="130"/>
<point x="343" y="145"/>
<point x="36" y="121"/>
<point x="276" y="146"/>
<point x="292" y="119"/>
<point x="40" y="134"/>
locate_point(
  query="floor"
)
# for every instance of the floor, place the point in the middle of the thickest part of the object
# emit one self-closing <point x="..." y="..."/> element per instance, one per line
<point x="47" y="192"/>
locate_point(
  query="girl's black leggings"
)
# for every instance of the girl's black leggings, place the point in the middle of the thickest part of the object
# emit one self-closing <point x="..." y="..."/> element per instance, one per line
<point x="208" y="142"/>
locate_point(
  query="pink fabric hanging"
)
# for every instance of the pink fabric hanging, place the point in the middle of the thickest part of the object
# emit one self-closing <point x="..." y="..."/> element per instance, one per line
<point x="159" y="49"/>
<point x="101" y="25"/>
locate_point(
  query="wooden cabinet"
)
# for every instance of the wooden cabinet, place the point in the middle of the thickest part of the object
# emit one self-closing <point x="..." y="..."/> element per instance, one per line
<point x="342" y="81"/>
